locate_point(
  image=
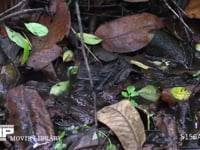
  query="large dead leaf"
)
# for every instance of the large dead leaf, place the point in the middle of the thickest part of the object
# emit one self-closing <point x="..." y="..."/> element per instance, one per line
<point x="129" y="33"/>
<point x="44" y="49"/>
<point x="193" y="9"/>
<point x="125" y="122"/>
<point x="28" y="114"/>
<point x="44" y="57"/>
<point x="59" y="25"/>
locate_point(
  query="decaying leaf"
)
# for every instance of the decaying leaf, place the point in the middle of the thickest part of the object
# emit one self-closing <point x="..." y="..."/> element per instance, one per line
<point x="128" y="34"/>
<point x="43" y="57"/>
<point x="193" y="9"/>
<point x="59" y="26"/>
<point x="45" y="49"/>
<point x="125" y="122"/>
<point x="28" y="114"/>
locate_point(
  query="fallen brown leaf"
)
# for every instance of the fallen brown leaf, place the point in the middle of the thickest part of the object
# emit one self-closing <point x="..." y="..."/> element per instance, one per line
<point x="193" y="9"/>
<point x="45" y="49"/>
<point x="125" y="122"/>
<point x="28" y="114"/>
<point x="44" y="57"/>
<point x="129" y="33"/>
<point x="59" y="25"/>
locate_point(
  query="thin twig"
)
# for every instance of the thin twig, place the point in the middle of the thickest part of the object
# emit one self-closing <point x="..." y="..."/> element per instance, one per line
<point x="86" y="62"/>
<point x="24" y="11"/>
<point x="86" y="47"/>
<point x="12" y="8"/>
<point x="180" y="18"/>
<point x="182" y="11"/>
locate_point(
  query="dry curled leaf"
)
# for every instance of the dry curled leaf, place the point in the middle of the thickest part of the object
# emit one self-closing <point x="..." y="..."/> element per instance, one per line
<point x="125" y="122"/>
<point x="193" y="9"/>
<point x="128" y="34"/>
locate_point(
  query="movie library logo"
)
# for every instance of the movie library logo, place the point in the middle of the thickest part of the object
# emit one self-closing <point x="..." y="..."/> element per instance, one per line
<point x="6" y="130"/>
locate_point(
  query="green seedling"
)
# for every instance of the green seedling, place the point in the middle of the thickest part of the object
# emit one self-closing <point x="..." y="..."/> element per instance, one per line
<point x="68" y="56"/>
<point x="59" y="145"/>
<point x="131" y="92"/>
<point x="196" y="74"/>
<point x="72" y="70"/>
<point x="22" y="41"/>
<point x="90" y="39"/>
<point x="110" y="145"/>
<point x="59" y="88"/>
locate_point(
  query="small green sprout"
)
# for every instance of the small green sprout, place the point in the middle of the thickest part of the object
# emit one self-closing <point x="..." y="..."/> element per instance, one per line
<point x="72" y="70"/>
<point x="196" y="74"/>
<point x="59" y="145"/>
<point x="130" y="93"/>
<point x="68" y="56"/>
<point x="110" y="145"/>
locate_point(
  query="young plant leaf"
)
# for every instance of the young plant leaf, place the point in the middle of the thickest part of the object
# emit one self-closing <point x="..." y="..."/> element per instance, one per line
<point x="134" y="103"/>
<point x="111" y="147"/>
<point x="180" y="93"/>
<point x="60" y="88"/>
<point x="150" y="93"/>
<point x="90" y="38"/>
<point x="196" y="74"/>
<point x="26" y="52"/>
<point x="124" y="94"/>
<point x="37" y="29"/>
<point x="68" y="56"/>
<point x="131" y="91"/>
<point x="16" y="37"/>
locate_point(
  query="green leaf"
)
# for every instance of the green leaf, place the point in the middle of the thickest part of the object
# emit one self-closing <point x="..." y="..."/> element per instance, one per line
<point x="131" y="91"/>
<point x="68" y="56"/>
<point x="60" y="145"/>
<point x="72" y="70"/>
<point x="180" y="93"/>
<point x="196" y="74"/>
<point x="60" y="88"/>
<point x="149" y="92"/>
<point x="37" y="28"/>
<point x="197" y="47"/>
<point x="134" y="103"/>
<point x="62" y="134"/>
<point x="16" y="37"/>
<point x="101" y="134"/>
<point x="124" y="94"/>
<point x="26" y="52"/>
<point x="90" y="39"/>
<point x="111" y="147"/>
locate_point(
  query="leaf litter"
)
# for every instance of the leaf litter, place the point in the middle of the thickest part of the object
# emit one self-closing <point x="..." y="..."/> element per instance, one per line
<point x="161" y="84"/>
